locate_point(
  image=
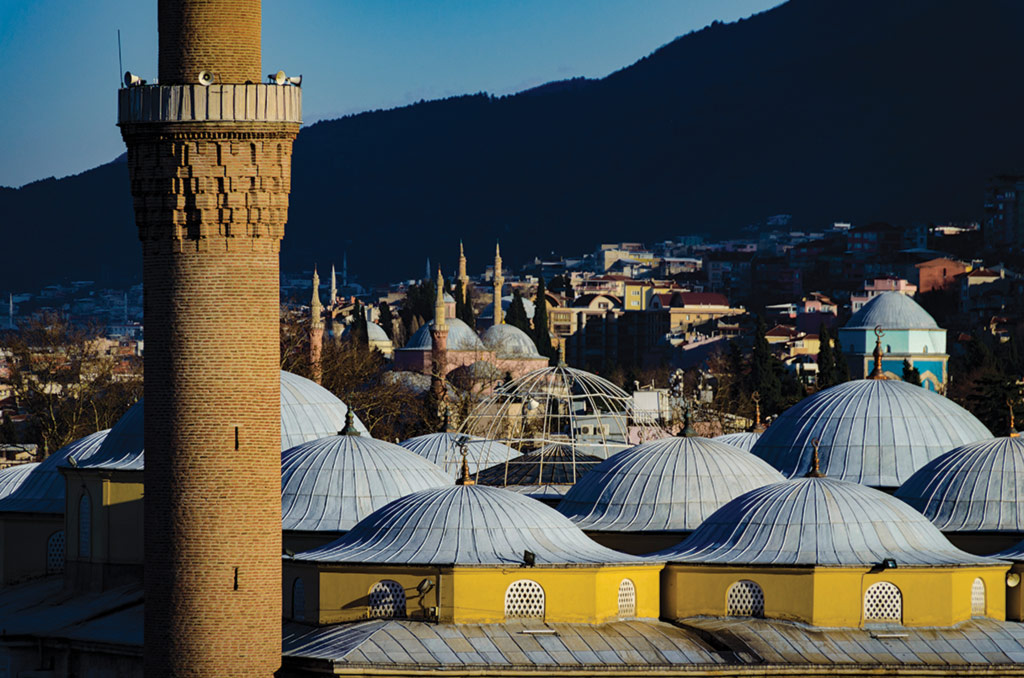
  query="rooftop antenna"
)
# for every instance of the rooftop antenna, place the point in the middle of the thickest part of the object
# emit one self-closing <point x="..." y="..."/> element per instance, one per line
<point x="815" y="472"/>
<point x="120" y="66"/>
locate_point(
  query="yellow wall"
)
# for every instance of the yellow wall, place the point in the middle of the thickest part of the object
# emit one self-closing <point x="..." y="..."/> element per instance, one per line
<point x="834" y="596"/>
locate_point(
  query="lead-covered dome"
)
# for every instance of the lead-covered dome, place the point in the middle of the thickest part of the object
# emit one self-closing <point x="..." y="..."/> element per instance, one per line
<point x="744" y="440"/>
<point x="12" y="477"/>
<point x="817" y="521"/>
<point x="466" y="525"/>
<point x="42" y="489"/>
<point x="374" y="332"/>
<point x="460" y="338"/>
<point x="974" y="488"/>
<point x="332" y="483"/>
<point x="892" y="311"/>
<point x="510" y="343"/>
<point x="667" y="485"/>
<point x="308" y="411"/>
<point x="872" y="431"/>
<point x="443" y="450"/>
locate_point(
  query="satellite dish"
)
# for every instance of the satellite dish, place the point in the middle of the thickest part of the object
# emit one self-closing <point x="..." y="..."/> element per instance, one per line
<point x="205" y="78"/>
<point x="1012" y="579"/>
<point x="296" y="80"/>
<point x="132" y="80"/>
<point x="278" y="78"/>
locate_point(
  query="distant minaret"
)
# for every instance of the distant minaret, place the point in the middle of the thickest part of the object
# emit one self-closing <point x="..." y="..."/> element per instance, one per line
<point x="10" y="310"/>
<point x="125" y="308"/>
<point x="344" y="270"/>
<point x="316" y="331"/>
<point x="439" y="339"/>
<point x="334" y="289"/>
<point x="427" y="276"/>
<point x="463" y="277"/>
<point x="499" y="282"/>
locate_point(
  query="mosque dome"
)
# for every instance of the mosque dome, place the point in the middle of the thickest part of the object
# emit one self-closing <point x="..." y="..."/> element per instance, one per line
<point x="12" y="477"/>
<point x="506" y="303"/>
<point x="442" y="450"/>
<point x="374" y="332"/>
<point x="466" y="525"/>
<point x="667" y="485"/>
<point x="308" y="411"/>
<point x="448" y="298"/>
<point x="510" y="343"/>
<point x="892" y="311"/>
<point x="974" y="488"/>
<point x="42" y="489"/>
<point x="876" y="432"/>
<point x="818" y="521"/>
<point x="745" y="440"/>
<point x="460" y="338"/>
<point x="332" y="483"/>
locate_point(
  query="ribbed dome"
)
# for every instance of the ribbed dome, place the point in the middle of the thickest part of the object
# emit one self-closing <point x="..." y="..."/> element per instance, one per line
<point x="974" y="488"/>
<point x="745" y="440"/>
<point x="667" y="485"/>
<point x="817" y="521"/>
<point x="42" y="490"/>
<point x="332" y="483"/>
<point x="506" y="303"/>
<point x="460" y="338"/>
<point x="466" y="525"/>
<point x="308" y="411"/>
<point x="442" y="450"/>
<point x="510" y="343"/>
<point x="12" y="477"/>
<point x="892" y="311"/>
<point x="374" y="332"/>
<point x="872" y="431"/>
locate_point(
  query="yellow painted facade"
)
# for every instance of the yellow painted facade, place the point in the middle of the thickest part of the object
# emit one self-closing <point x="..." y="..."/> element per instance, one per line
<point x="589" y="595"/>
<point x="833" y="596"/>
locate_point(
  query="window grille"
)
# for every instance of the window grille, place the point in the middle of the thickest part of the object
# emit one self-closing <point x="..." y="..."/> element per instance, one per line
<point x="387" y="599"/>
<point x="883" y="602"/>
<point x="298" y="599"/>
<point x="627" y="599"/>
<point x="524" y="599"/>
<point x="84" y="527"/>
<point x="745" y="599"/>
<point x="55" y="553"/>
<point x="978" y="598"/>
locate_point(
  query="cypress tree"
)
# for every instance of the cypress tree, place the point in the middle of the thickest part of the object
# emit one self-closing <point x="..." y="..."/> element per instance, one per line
<point x="763" y="374"/>
<point x="911" y="374"/>
<point x="358" y="330"/>
<point x="842" y="368"/>
<point x="387" y="319"/>
<point x="516" y="315"/>
<point x="826" y="360"/>
<point x="541" y="334"/>
<point x="460" y="301"/>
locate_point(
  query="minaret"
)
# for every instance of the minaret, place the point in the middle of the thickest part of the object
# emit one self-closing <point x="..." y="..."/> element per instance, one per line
<point x="209" y="161"/>
<point x="344" y="270"/>
<point x="439" y="339"/>
<point x="499" y="282"/>
<point x="316" y="331"/>
<point x="10" y="310"/>
<point x="334" y="290"/>
<point x="463" y="277"/>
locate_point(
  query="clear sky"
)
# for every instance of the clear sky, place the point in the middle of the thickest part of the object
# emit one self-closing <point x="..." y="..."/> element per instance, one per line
<point x="61" y="70"/>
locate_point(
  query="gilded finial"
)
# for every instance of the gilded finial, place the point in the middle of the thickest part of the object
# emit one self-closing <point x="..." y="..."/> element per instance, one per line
<point x="464" y="477"/>
<point x="877" y="373"/>
<point x="815" y="472"/>
<point x="1013" y="429"/>
<point x="350" y="425"/>
<point x="756" y="397"/>
<point x="561" y="352"/>
<point x="446" y="426"/>
<point x="688" y="430"/>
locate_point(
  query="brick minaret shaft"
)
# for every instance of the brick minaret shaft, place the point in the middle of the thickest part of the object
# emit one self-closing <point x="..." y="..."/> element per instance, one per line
<point x="316" y="331"/>
<point x="499" y="282"/>
<point x="210" y="172"/>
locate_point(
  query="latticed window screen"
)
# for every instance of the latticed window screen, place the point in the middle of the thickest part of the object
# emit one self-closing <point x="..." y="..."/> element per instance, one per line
<point x="298" y="599"/>
<point x="55" y="553"/>
<point x="84" y="527"/>
<point x="524" y="599"/>
<point x="978" y="598"/>
<point x="883" y="602"/>
<point x="627" y="598"/>
<point x="387" y="599"/>
<point x="745" y="599"/>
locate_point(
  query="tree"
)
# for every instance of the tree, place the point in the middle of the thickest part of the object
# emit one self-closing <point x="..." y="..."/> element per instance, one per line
<point x="911" y="375"/>
<point x="387" y="319"/>
<point x="826" y="359"/>
<point x="516" y="315"/>
<point x="764" y="374"/>
<point x="842" y="368"/>
<point x="358" y="328"/>
<point x="7" y="432"/>
<point x="463" y="305"/>
<point x="541" y="333"/>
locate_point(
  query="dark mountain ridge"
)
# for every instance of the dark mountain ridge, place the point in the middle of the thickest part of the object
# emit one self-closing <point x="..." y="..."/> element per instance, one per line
<point x="850" y="109"/>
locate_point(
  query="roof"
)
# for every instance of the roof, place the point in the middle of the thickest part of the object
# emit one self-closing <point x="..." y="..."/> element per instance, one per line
<point x="873" y="431"/>
<point x="374" y="332"/>
<point x="12" y="477"/>
<point x="308" y="411"/>
<point x="666" y="485"/>
<point x="744" y="440"/>
<point x="43" y="489"/>
<point x="974" y="488"/>
<point x="551" y="465"/>
<point x="892" y="311"/>
<point x="586" y="299"/>
<point x="332" y="483"/>
<point x="466" y="525"/>
<point x="510" y="343"/>
<point x="443" y="450"/>
<point x="818" y="521"/>
<point x="506" y="303"/>
<point x="460" y="338"/>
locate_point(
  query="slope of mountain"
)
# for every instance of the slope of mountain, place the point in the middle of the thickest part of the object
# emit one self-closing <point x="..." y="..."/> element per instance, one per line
<point x="848" y="109"/>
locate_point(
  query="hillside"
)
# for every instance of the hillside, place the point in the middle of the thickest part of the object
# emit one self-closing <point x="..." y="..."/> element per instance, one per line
<point x="848" y="109"/>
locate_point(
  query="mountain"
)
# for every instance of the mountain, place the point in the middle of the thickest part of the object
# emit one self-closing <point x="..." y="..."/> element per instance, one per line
<point x="857" y="110"/>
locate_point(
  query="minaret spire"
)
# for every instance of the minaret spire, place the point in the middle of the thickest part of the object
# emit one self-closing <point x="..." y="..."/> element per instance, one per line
<point x="463" y="276"/>
<point x="334" y="289"/>
<point x="440" y="312"/>
<point x="499" y="282"/>
<point x="316" y="330"/>
<point x="344" y="269"/>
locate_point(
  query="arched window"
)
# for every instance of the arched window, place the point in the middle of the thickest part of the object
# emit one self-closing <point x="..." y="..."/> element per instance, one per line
<point x="978" y="598"/>
<point x="387" y="600"/>
<point x="84" y="527"/>
<point x="627" y="599"/>
<point x="883" y="602"/>
<point x="524" y="599"/>
<point x="55" y="553"/>
<point x="745" y="599"/>
<point x="298" y="600"/>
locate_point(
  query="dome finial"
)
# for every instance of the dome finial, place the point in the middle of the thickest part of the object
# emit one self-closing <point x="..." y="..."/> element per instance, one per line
<point x="815" y="472"/>
<point x="464" y="477"/>
<point x="1013" y="429"/>
<point x="350" y="425"/>
<point x="877" y="372"/>
<point x="688" y="430"/>
<point x="446" y="425"/>
<point x="561" y="352"/>
<point x="758" y="427"/>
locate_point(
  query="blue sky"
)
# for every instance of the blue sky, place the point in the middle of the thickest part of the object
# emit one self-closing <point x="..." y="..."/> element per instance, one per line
<point x="60" y="58"/>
